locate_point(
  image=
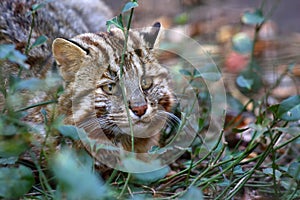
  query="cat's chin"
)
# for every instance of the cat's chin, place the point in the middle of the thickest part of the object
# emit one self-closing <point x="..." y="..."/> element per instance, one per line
<point x="144" y="130"/>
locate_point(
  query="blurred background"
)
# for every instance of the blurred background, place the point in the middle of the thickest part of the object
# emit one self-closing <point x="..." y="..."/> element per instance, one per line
<point x="286" y="14"/>
<point x="213" y="23"/>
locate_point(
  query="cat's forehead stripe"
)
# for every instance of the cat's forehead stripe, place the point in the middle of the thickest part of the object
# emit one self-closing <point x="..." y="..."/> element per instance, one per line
<point x="97" y="41"/>
<point x="139" y="59"/>
<point x="89" y="41"/>
<point x="135" y="40"/>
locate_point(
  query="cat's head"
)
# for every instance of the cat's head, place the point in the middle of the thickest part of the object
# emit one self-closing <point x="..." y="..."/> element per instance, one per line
<point x="94" y="60"/>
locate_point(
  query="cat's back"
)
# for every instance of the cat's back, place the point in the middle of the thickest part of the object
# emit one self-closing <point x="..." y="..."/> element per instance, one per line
<point x="64" y="18"/>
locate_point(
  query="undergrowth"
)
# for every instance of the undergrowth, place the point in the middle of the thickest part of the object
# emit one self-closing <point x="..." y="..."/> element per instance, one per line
<point x="268" y="163"/>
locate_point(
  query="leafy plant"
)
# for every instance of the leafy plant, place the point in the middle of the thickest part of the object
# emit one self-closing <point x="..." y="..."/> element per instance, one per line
<point x="12" y="178"/>
<point x="19" y="140"/>
<point x="41" y="39"/>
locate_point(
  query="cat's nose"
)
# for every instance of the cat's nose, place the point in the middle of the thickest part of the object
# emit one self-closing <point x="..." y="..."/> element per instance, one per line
<point x="139" y="110"/>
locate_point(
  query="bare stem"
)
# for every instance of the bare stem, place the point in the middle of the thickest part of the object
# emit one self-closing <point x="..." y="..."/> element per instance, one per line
<point x="36" y="105"/>
<point x="126" y="33"/>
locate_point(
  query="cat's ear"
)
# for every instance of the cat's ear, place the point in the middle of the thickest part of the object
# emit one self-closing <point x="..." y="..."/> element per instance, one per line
<point x="152" y="35"/>
<point x="68" y="56"/>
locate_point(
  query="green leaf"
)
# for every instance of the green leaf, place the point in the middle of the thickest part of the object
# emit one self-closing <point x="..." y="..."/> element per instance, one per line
<point x="37" y="6"/>
<point x="128" y="6"/>
<point x="294" y="131"/>
<point x="19" y="58"/>
<point x="243" y="82"/>
<point x="5" y="50"/>
<point x="153" y="149"/>
<point x="8" y="161"/>
<point x="31" y="84"/>
<point x="238" y="170"/>
<point x="224" y="183"/>
<point x="75" y="179"/>
<point x="288" y="184"/>
<point x="249" y="82"/>
<point x="94" y="144"/>
<point x="132" y="164"/>
<point x="85" y="158"/>
<point x="289" y="109"/>
<point x="201" y="124"/>
<point x="13" y="80"/>
<point x="159" y="150"/>
<point x="192" y="193"/>
<point x="116" y="21"/>
<point x="294" y="170"/>
<point x="150" y="177"/>
<point x="242" y="43"/>
<point x="69" y="131"/>
<point x="208" y="72"/>
<point x="39" y="41"/>
<point x="8" y="51"/>
<point x="253" y="18"/>
<point x="13" y="146"/>
<point x="198" y="149"/>
<point x="15" y="182"/>
<point x="185" y="72"/>
<point x="273" y="108"/>
<point x="291" y="67"/>
<point x="269" y="171"/>
<point x="181" y="18"/>
<point x="234" y="104"/>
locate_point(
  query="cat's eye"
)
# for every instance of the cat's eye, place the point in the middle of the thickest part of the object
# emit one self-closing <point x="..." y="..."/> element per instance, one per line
<point x="146" y="83"/>
<point x="110" y="88"/>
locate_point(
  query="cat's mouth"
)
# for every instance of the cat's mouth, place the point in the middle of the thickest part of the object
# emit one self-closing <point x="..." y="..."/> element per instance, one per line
<point x="145" y="127"/>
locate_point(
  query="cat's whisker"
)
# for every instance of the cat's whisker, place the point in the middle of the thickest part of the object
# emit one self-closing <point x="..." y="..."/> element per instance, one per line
<point x="170" y="118"/>
<point x="119" y="118"/>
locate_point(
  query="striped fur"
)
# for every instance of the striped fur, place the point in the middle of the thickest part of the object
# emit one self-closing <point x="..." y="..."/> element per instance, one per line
<point x="90" y="66"/>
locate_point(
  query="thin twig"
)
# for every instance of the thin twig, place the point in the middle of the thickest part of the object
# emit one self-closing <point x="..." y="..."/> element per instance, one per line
<point x="126" y="33"/>
<point x="36" y="105"/>
<point x="124" y="94"/>
<point x="125" y="186"/>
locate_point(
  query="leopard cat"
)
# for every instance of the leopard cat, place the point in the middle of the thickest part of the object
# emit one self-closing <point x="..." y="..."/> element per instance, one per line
<point x="90" y="65"/>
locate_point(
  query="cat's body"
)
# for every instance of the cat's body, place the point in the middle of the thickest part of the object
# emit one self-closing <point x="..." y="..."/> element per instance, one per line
<point x="90" y="66"/>
<point x="63" y="18"/>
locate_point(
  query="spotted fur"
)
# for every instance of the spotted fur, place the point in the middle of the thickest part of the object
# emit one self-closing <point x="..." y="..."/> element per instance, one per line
<point x="90" y="66"/>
